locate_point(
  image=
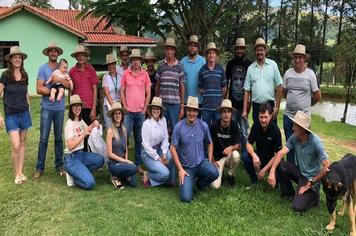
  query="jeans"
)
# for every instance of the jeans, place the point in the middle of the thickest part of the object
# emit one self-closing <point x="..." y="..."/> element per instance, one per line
<point x="158" y="173"/>
<point x="205" y="173"/>
<point x="171" y="113"/>
<point x="123" y="171"/>
<point x="134" y="121"/>
<point x="79" y="165"/>
<point x="243" y="125"/>
<point x="256" y="111"/>
<point x="210" y="117"/>
<point x="288" y="131"/>
<point x="20" y="121"/>
<point x="47" y="117"/>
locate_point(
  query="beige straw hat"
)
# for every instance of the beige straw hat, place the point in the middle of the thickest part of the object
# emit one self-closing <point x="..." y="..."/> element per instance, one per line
<point x="116" y="106"/>
<point x="15" y="50"/>
<point x="261" y="42"/>
<point x="170" y="42"/>
<point x="193" y="39"/>
<point x="156" y="102"/>
<point x="226" y="103"/>
<point x="150" y="55"/>
<point x="192" y="102"/>
<point x="299" y="49"/>
<point x="240" y="42"/>
<point x="302" y="119"/>
<point x="124" y="49"/>
<point x="211" y="46"/>
<point x="74" y="99"/>
<point x="110" y="58"/>
<point x="135" y="53"/>
<point x="79" y="49"/>
<point x="52" y="45"/>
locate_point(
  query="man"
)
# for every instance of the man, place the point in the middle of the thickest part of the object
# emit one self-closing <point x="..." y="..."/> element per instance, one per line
<point x="310" y="156"/>
<point x="170" y="84"/>
<point x="263" y="83"/>
<point x="135" y="96"/>
<point x="236" y="70"/>
<point x="212" y="85"/>
<point x="226" y="138"/>
<point x="50" y="111"/>
<point x="192" y="63"/>
<point x="125" y="61"/>
<point x="85" y="85"/>
<point x="190" y="136"/>
<point x="300" y="88"/>
<point x="267" y="137"/>
<point x="150" y="60"/>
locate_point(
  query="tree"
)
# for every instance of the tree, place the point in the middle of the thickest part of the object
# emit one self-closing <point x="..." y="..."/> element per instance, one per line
<point x="326" y="2"/>
<point x="77" y="4"/>
<point x="35" y="3"/>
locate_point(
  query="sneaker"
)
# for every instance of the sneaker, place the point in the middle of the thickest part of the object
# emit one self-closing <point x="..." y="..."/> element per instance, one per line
<point x="70" y="181"/>
<point x="37" y="174"/>
<point x="145" y="180"/>
<point x="231" y="181"/>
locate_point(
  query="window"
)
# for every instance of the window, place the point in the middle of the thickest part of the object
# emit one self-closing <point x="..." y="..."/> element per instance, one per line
<point x="4" y="50"/>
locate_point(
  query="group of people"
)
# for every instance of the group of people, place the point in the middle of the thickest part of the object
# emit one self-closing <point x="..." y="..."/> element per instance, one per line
<point x="189" y="119"/>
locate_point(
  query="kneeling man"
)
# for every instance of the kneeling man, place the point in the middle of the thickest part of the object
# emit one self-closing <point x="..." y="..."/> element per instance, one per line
<point x="190" y="136"/>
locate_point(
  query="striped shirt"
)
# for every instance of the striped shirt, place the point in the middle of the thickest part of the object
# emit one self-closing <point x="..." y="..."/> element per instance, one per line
<point x="83" y="82"/>
<point x="170" y="78"/>
<point x="212" y="82"/>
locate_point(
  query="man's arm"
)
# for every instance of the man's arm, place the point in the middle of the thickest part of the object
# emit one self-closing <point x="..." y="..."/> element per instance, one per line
<point x="147" y="98"/>
<point x="317" y="178"/>
<point x="277" y="159"/>
<point x="93" y="108"/>
<point x="181" y="94"/>
<point x="181" y="172"/>
<point x="41" y="89"/>
<point x="210" y="152"/>
<point x="277" y="101"/>
<point x="316" y="97"/>
<point x="123" y="98"/>
<point x="246" y="101"/>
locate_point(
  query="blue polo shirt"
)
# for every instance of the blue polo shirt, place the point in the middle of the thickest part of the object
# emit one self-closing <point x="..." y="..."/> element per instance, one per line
<point x="190" y="141"/>
<point x="262" y="81"/>
<point x="191" y="71"/>
<point x="44" y="73"/>
<point x="309" y="156"/>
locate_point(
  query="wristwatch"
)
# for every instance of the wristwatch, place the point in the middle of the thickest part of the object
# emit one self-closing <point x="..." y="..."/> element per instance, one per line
<point x="312" y="182"/>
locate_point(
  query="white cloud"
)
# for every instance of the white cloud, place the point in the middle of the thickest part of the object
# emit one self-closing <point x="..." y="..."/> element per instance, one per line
<point x="58" y="4"/>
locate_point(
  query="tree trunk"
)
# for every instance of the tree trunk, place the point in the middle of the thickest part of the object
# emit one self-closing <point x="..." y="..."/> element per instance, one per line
<point x="323" y="40"/>
<point x="311" y="33"/>
<point x="348" y="95"/>
<point x="340" y="22"/>
<point x="279" y="31"/>
<point x="266" y="21"/>
<point x="296" y="22"/>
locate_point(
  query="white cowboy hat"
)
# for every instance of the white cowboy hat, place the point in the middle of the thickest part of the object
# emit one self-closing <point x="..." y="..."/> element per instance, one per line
<point x="240" y="42"/>
<point x="193" y="39"/>
<point x="124" y="49"/>
<point x="211" y="46"/>
<point x="260" y="42"/>
<point x="110" y="58"/>
<point x="79" y="49"/>
<point x="302" y="120"/>
<point x="226" y="103"/>
<point x="136" y="53"/>
<point x="52" y="45"/>
<point x="299" y="49"/>
<point x="116" y="106"/>
<point x="74" y="99"/>
<point x="156" y="102"/>
<point x="192" y="102"/>
<point x="150" y="55"/>
<point x="15" y="50"/>
<point x="170" y="42"/>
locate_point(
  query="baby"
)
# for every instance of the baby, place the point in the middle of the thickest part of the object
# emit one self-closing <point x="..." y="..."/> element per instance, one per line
<point x="60" y="73"/>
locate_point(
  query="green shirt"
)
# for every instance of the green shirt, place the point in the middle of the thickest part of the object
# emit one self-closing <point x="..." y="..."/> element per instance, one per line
<point x="262" y="81"/>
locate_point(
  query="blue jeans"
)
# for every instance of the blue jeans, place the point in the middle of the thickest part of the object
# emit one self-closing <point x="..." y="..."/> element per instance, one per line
<point x="243" y="125"/>
<point x="288" y="131"/>
<point x="157" y="172"/>
<point x="47" y="117"/>
<point x="210" y="117"/>
<point x="248" y="164"/>
<point x="79" y="165"/>
<point x="171" y="113"/>
<point x="107" y="120"/>
<point x="134" y="121"/>
<point x="206" y="173"/>
<point x="123" y="171"/>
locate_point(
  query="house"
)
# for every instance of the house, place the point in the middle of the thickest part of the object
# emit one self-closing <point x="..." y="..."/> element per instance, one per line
<point x="32" y="28"/>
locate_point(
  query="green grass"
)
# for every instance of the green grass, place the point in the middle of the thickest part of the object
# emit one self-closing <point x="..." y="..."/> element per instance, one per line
<point x="338" y="93"/>
<point x="49" y="207"/>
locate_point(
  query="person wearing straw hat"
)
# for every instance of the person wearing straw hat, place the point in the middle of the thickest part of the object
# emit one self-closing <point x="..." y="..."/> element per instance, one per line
<point x="111" y="87"/>
<point x="212" y="85"/>
<point x="236" y="70"/>
<point x="263" y="83"/>
<point x="226" y="138"/>
<point x="77" y="162"/>
<point x="85" y="84"/>
<point x="135" y="95"/>
<point x="13" y="88"/>
<point x="192" y="63"/>
<point x="155" y="154"/>
<point x="150" y="60"/>
<point x="190" y="138"/>
<point x="301" y="90"/>
<point x="124" y="54"/>
<point x="170" y="84"/>
<point x="120" y="167"/>
<point x="311" y="164"/>
<point x="51" y="112"/>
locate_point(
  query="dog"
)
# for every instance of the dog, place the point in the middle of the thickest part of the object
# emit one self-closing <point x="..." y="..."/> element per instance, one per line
<point x="340" y="183"/>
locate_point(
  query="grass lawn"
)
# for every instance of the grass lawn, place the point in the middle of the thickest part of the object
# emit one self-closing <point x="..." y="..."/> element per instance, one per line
<point x="49" y="207"/>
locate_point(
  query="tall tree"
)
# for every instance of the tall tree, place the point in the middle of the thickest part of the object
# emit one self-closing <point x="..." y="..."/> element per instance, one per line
<point x="326" y="2"/>
<point x="35" y="3"/>
<point x="296" y="21"/>
<point x="266" y="20"/>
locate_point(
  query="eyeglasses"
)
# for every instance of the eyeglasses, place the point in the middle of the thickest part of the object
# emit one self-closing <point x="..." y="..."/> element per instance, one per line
<point x="155" y="108"/>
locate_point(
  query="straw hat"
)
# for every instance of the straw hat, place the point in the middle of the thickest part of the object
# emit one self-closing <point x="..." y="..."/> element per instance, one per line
<point x="74" y="99"/>
<point x="192" y="102"/>
<point x="116" y="106"/>
<point x="79" y="49"/>
<point x="15" y="50"/>
<point x="135" y="53"/>
<point x="226" y="103"/>
<point x="211" y="46"/>
<point x="150" y="55"/>
<point x="170" y="42"/>
<point x="193" y="39"/>
<point x="110" y="58"/>
<point x="156" y="102"/>
<point x="52" y="45"/>
<point x="261" y="42"/>
<point x="240" y="42"/>
<point x="302" y="119"/>
<point x="299" y="49"/>
<point x="124" y="49"/>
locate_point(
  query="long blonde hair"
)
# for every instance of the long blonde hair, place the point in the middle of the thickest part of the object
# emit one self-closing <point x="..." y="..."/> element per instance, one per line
<point x="114" y="128"/>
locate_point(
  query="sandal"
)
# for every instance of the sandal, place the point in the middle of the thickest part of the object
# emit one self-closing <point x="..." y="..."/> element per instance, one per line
<point x="145" y="180"/>
<point x="23" y="177"/>
<point x="18" y="180"/>
<point x="117" y="183"/>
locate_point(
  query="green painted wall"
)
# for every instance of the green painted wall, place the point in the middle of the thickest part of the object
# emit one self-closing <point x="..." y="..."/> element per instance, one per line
<point x="33" y="34"/>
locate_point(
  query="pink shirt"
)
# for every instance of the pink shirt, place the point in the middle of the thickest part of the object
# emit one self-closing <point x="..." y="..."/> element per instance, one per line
<point x="83" y="82"/>
<point x="135" y="89"/>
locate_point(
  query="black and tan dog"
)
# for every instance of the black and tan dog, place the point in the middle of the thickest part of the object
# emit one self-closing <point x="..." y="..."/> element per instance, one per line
<point x="340" y="183"/>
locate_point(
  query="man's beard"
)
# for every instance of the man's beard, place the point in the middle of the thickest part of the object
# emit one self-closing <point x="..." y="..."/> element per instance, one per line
<point x="192" y="54"/>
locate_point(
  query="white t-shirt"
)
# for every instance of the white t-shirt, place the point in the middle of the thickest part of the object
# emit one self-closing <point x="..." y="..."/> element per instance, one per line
<point x="113" y="83"/>
<point x="74" y="129"/>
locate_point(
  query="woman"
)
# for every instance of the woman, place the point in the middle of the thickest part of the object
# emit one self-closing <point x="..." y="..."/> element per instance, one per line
<point x="13" y="83"/>
<point x="77" y="163"/>
<point x="155" y="153"/>
<point x="121" y="168"/>
<point x="111" y="85"/>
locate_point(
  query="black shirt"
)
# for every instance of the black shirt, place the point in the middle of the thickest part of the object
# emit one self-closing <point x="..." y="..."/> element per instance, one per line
<point x="15" y="95"/>
<point x="236" y="70"/>
<point x="224" y="137"/>
<point x="267" y="143"/>
<point x="153" y="84"/>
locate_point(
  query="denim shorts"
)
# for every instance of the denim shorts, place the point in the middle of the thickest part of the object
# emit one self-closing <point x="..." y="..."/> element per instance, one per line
<point x="18" y="122"/>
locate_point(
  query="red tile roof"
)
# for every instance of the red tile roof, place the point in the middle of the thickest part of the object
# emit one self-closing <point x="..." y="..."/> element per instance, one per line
<point x="84" y="28"/>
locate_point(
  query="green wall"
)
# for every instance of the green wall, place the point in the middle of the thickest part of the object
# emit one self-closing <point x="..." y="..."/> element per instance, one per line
<point x="33" y="34"/>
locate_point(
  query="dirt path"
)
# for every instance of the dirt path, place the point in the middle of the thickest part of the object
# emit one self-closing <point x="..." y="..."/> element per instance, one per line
<point x="350" y="145"/>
